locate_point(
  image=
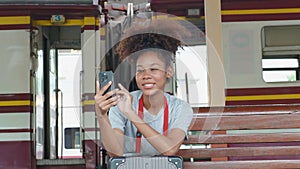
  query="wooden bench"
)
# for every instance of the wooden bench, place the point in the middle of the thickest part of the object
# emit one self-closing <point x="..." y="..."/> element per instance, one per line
<point x="253" y="137"/>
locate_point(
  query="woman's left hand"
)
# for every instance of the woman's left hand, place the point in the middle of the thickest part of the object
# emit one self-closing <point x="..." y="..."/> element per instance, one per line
<point x="124" y="101"/>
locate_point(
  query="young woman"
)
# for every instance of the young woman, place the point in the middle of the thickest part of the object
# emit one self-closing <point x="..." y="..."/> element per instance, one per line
<point x="148" y="121"/>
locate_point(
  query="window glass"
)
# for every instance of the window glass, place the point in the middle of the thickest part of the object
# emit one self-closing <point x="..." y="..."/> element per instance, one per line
<point x="72" y="138"/>
<point x="280" y="63"/>
<point x="279" y="76"/>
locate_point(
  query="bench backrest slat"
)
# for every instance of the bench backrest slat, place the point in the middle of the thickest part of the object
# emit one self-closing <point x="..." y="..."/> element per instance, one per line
<point x="252" y="133"/>
<point x="237" y="122"/>
<point x="244" y="164"/>
<point x="240" y="152"/>
<point x="249" y="138"/>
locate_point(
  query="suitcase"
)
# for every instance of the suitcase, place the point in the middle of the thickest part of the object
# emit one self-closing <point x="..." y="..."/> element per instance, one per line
<point x="146" y="162"/>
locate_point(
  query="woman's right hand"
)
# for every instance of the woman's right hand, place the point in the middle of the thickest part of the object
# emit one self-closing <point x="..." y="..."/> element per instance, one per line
<point x="104" y="102"/>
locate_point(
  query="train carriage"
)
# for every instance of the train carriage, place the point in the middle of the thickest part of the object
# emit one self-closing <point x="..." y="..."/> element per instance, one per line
<point x="52" y="51"/>
<point x="261" y="52"/>
<point x="256" y="36"/>
<point x="36" y="37"/>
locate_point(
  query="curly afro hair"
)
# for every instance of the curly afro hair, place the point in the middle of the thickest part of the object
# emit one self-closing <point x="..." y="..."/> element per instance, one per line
<point x="164" y="34"/>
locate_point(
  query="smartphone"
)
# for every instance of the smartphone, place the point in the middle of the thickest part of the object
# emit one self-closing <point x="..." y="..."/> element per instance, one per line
<point x="104" y="78"/>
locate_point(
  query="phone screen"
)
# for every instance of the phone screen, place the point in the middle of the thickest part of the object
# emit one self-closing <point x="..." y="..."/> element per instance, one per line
<point x="104" y="78"/>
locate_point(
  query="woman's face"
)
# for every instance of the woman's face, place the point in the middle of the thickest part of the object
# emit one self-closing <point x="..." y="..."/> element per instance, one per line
<point x="151" y="73"/>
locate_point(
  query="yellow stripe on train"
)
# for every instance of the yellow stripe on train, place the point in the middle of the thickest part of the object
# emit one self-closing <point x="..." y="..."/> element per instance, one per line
<point x="86" y="21"/>
<point x="69" y="22"/>
<point x="15" y="20"/>
<point x="263" y="97"/>
<point x="260" y="11"/>
<point x="16" y="103"/>
<point x="88" y="102"/>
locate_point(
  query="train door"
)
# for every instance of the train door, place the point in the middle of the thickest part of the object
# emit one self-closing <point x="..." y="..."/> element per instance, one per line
<point x="55" y="72"/>
<point x="44" y="75"/>
<point x="47" y="93"/>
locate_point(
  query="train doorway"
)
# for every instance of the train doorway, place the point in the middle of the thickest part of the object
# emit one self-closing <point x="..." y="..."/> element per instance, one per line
<point x="57" y="91"/>
<point x="69" y="65"/>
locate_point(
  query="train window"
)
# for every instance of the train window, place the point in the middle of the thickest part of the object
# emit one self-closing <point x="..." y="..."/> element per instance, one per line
<point x="281" y="53"/>
<point x="282" y="36"/>
<point x="72" y="138"/>
<point x="280" y="69"/>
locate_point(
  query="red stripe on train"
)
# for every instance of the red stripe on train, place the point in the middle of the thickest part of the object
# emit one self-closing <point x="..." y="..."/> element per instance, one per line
<point x="46" y="10"/>
<point x="88" y="108"/>
<point x="15" y="109"/>
<point x="260" y="17"/>
<point x="258" y="4"/>
<point x="15" y="96"/>
<point x="90" y="129"/>
<point x="89" y="27"/>
<point x="262" y="91"/>
<point x="14" y="27"/>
